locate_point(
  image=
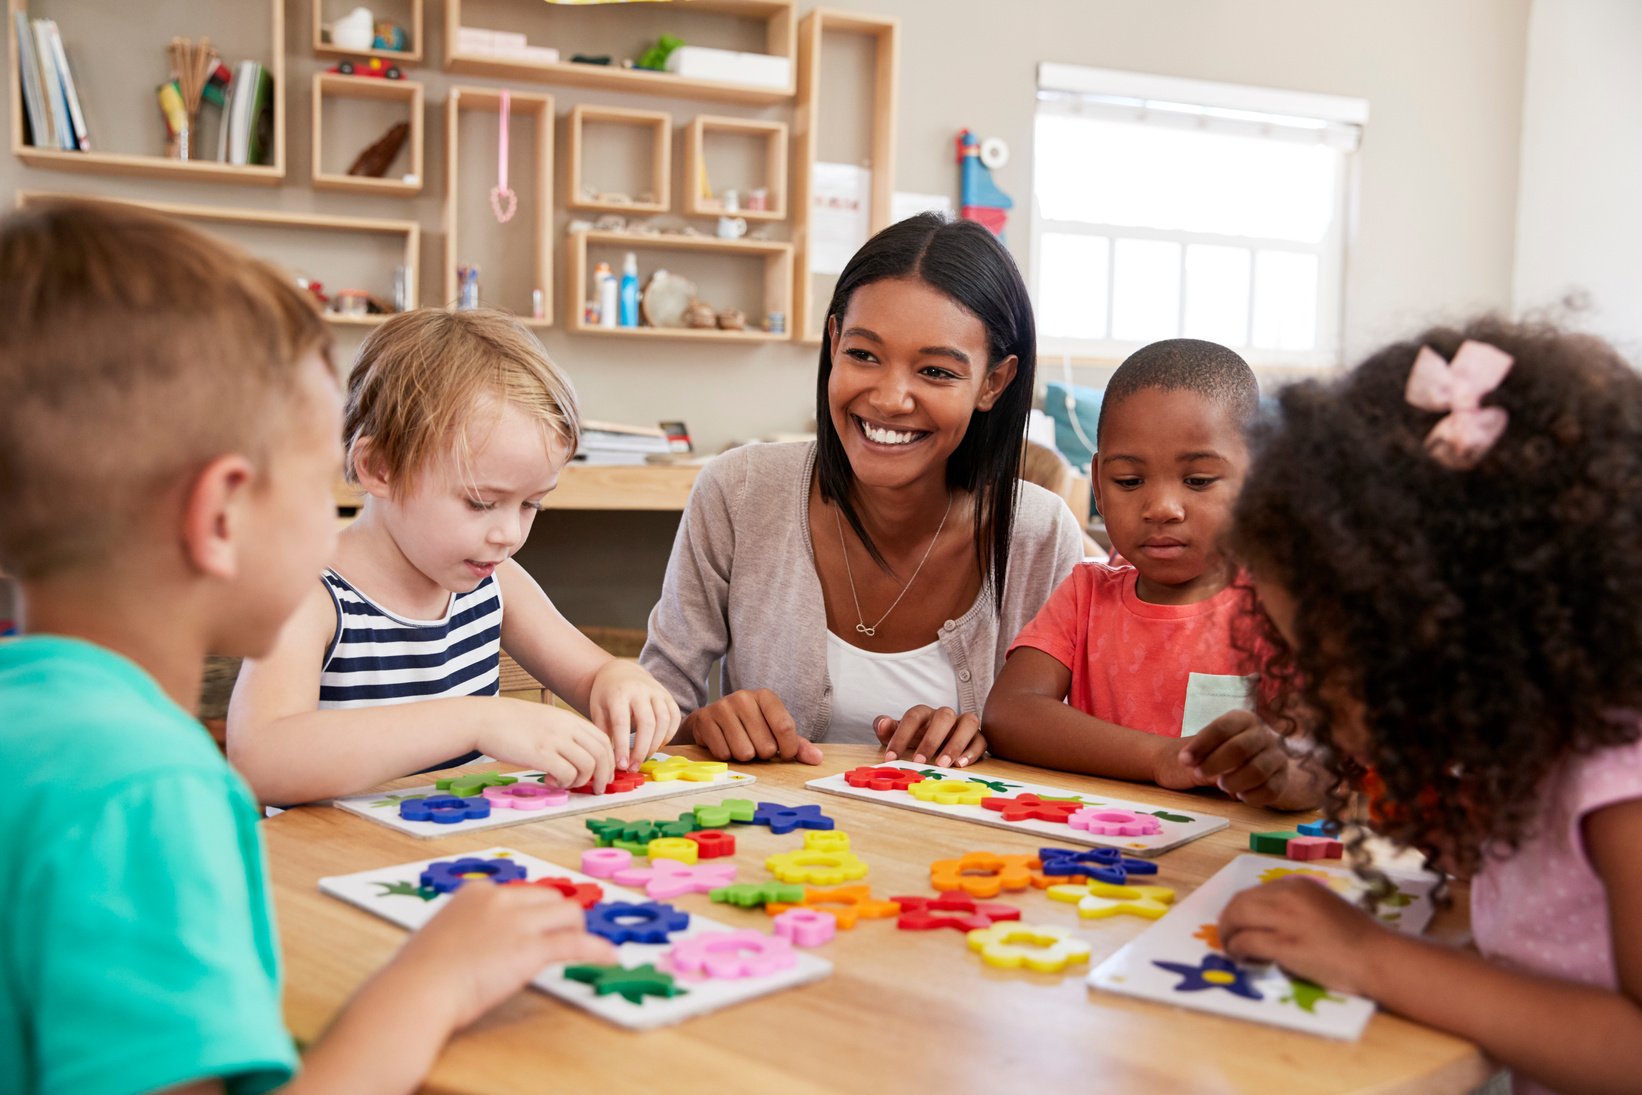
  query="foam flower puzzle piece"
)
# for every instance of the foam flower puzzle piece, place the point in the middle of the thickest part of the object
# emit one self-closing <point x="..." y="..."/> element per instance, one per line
<point x="816" y="868"/>
<point x="847" y="904"/>
<point x="749" y="895"/>
<point x="636" y="921"/>
<point x="1314" y="847"/>
<point x="731" y="955"/>
<point x="585" y="894"/>
<point x="982" y="874"/>
<point x="960" y="792"/>
<point x="469" y="785"/>
<point x="882" y="779"/>
<point x="1110" y="821"/>
<point x="665" y="879"/>
<point x="805" y="927"/>
<point x="673" y="847"/>
<point x="632" y="985"/>
<point x="950" y="911"/>
<point x="784" y="819"/>
<point x="1102" y="899"/>
<point x="825" y="840"/>
<point x="1272" y="874"/>
<point x="605" y="862"/>
<point x="1321" y="827"/>
<point x="712" y="844"/>
<point x="738" y="810"/>
<point x="1012" y="945"/>
<point x="1060" y="865"/>
<point x="444" y="809"/>
<point x="620" y="784"/>
<point x="614" y="831"/>
<point x="526" y="796"/>
<point x="691" y="771"/>
<point x="1029" y="807"/>
<point x="1216" y="971"/>
<point x="448" y="876"/>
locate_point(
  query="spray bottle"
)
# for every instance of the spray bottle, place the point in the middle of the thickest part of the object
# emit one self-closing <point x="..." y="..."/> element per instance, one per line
<point x="630" y="290"/>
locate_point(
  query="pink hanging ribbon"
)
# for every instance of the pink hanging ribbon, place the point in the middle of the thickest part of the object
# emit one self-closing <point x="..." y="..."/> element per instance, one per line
<point x="503" y="201"/>
<point x="1463" y="436"/>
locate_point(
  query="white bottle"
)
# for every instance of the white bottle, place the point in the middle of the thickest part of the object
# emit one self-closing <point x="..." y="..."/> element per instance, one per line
<point x="605" y="281"/>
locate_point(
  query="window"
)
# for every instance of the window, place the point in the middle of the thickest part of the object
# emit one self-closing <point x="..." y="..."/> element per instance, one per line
<point x="1167" y="208"/>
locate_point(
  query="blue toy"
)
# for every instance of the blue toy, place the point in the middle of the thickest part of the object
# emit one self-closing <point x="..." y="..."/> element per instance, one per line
<point x="448" y="876"/>
<point x="635" y="921"/>
<point x="1321" y="827"/>
<point x="1105" y="864"/>
<point x="979" y="197"/>
<point x="444" y="809"/>
<point x="784" y="819"/>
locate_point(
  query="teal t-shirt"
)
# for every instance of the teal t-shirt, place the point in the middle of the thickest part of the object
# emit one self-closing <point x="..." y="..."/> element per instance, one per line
<point x="137" y="946"/>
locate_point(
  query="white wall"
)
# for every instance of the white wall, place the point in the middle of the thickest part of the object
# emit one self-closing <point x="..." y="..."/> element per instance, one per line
<point x="1579" y="216"/>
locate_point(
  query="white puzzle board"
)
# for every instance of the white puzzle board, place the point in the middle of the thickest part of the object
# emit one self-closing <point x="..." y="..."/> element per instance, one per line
<point x="389" y="892"/>
<point x="384" y="808"/>
<point x="1175" y="827"/>
<point x="1180" y="938"/>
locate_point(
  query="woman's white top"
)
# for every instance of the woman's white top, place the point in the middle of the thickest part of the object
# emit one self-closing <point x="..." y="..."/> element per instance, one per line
<point x="866" y="685"/>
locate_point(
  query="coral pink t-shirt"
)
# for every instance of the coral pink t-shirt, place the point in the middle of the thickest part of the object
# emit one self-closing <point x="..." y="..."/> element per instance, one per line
<point x="1137" y="664"/>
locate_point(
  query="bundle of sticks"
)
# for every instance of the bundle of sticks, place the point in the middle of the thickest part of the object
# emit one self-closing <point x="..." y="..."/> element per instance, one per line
<point x="191" y="66"/>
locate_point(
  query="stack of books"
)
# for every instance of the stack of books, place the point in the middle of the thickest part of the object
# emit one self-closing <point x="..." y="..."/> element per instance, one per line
<point x="614" y="443"/>
<point x="51" y="103"/>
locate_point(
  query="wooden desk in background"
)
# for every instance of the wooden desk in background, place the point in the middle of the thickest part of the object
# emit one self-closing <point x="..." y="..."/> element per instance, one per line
<point x="654" y="487"/>
<point x="901" y="1012"/>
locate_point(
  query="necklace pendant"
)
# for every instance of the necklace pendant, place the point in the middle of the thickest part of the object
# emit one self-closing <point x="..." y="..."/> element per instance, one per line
<point x="865" y="630"/>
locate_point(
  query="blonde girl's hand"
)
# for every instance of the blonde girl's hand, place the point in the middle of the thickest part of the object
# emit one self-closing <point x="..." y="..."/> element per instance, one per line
<point x="488" y="942"/>
<point x="567" y="748"/>
<point x="931" y="735"/>
<point x="1308" y="929"/>
<point x="626" y="702"/>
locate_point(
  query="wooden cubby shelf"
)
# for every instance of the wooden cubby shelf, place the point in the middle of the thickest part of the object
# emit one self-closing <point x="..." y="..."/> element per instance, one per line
<point x="777" y="256"/>
<point x="697" y="172"/>
<point x="779" y="29"/>
<point x="535" y="204"/>
<point x="331" y="85"/>
<point x="408" y="231"/>
<point x="660" y="125"/>
<point x="116" y="27"/>
<point x="323" y="48"/>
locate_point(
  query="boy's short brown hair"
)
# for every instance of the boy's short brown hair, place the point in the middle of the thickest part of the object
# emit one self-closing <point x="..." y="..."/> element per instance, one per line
<point x="133" y="351"/>
<point x="420" y="377"/>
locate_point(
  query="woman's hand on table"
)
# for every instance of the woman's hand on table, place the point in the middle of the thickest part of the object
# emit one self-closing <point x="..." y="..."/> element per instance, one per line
<point x="752" y="724"/>
<point x="932" y="735"/>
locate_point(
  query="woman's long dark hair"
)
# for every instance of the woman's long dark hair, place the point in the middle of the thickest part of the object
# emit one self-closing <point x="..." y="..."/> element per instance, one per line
<point x="967" y="263"/>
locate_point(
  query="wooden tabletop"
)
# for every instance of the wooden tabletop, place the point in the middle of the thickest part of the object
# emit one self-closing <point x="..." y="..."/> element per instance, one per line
<point x="902" y="1011"/>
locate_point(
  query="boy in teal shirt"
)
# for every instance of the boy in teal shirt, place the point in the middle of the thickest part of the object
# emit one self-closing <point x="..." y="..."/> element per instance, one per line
<point x="171" y="429"/>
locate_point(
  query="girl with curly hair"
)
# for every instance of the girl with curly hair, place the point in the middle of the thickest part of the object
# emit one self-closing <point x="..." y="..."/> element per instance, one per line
<point x="1449" y="542"/>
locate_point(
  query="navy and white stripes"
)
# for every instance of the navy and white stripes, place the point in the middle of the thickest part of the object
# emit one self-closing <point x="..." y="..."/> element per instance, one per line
<point x="378" y="658"/>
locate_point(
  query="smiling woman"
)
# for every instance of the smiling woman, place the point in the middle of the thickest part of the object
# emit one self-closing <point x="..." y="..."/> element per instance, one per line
<point x="865" y="587"/>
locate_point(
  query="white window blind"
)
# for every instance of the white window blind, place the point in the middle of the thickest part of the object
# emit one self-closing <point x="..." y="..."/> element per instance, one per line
<point x="1168" y="208"/>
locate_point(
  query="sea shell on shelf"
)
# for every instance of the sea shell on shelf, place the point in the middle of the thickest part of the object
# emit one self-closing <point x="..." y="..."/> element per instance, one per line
<point x="666" y="298"/>
<point x="700" y="314"/>
<point x="732" y="319"/>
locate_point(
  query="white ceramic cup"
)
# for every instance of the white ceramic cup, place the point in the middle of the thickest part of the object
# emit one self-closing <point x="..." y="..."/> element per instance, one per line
<point x="731" y="228"/>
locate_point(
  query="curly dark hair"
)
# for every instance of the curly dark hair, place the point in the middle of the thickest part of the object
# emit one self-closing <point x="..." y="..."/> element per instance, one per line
<point x="1486" y="622"/>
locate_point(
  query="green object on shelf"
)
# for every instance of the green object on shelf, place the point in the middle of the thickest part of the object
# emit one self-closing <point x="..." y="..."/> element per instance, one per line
<point x="655" y="58"/>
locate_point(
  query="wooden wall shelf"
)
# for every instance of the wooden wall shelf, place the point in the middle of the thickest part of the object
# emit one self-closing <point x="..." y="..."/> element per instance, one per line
<point x="660" y="125"/>
<point x="536" y="206"/>
<point x="885" y="33"/>
<point x="778" y="260"/>
<point x="697" y="135"/>
<point x="82" y="62"/>
<point x="336" y="86"/>
<point x="323" y="48"/>
<point x="778" y="16"/>
<point x="409" y="231"/>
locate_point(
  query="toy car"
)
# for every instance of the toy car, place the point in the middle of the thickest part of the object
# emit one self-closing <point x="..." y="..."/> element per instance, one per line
<point x="373" y="67"/>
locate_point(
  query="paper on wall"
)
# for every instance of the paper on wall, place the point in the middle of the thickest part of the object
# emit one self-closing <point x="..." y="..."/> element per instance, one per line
<point x="840" y="214"/>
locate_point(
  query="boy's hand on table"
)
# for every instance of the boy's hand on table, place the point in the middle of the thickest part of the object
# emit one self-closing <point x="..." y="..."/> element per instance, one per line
<point x="566" y="747"/>
<point x="752" y="724"/>
<point x="931" y="735"/>
<point x="1305" y="927"/>
<point x="1242" y="756"/>
<point x="625" y="700"/>
<point x="489" y="941"/>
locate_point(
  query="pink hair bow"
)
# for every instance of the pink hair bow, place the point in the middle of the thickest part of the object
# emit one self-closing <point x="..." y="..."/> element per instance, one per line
<point x="1464" y="435"/>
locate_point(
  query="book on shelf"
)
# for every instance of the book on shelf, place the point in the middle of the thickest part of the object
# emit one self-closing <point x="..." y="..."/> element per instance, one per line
<point x="34" y="97"/>
<point x="71" y="95"/>
<point x="610" y="438"/>
<point x="247" y="132"/>
<point x="59" y="130"/>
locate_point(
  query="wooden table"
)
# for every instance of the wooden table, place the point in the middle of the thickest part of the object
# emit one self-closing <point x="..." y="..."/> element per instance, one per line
<point x="621" y="487"/>
<point x="901" y="1012"/>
